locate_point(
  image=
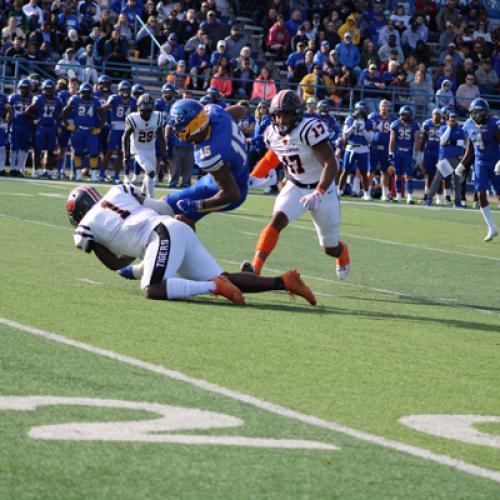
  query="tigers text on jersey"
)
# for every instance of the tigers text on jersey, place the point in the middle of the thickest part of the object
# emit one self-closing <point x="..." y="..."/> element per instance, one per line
<point x="144" y="132"/>
<point x="119" y="222"/>
<point x="295" y="149"/>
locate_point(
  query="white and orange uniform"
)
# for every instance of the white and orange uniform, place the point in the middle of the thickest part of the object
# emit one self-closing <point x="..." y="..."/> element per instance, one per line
<point x="119" y="222"/>
<point x="303" y="172"/>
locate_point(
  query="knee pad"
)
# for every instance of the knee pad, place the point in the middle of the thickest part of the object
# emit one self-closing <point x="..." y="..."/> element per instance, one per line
<point x="78" y="161"/>
<point x="93" y="162"/>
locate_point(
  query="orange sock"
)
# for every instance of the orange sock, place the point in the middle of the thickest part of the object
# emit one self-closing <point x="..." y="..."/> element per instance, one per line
<point x="343" y="258"/>
<point x="267" y="241"/>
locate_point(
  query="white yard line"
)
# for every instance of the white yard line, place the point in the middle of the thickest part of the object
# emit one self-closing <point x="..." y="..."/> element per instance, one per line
<point x="375" y="240"/>
<point x="6" y="193"/>
<point x="261" y="404"/>
<point x="12" y="217"/>
<point x="90" y="282"/>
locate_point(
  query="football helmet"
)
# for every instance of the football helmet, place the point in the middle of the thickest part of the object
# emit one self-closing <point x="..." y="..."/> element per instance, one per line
<point x="479" y="110"/>
<point x="85" y="90"/>
<point x="188" y="118"/>
<point x="287" y="101"/>
<point x="405" y="114"/>
<point x="23" y="87"/>
<point x="48" y="88"/>
<point x="206" y="99"/>
<point x="104" y="81"/>
<point x="446" y="110"/>
<point x="79" y="202"/>
<point x="145" y="106"/>
<point x="360" y="110"/>
<point x="124" y="88"/>
<point x="138" y="90"/>
<point x="325" y="108"/>
<point x="214" y="91"/>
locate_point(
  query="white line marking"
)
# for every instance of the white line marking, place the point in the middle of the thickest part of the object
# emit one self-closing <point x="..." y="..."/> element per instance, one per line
<point x="90" y="282"/>
<point x="53" y="195"/>
<point x="33" y="221"/>
<point x="375" y="240"/>
<point x="248" y="234"/>
<point x="264" y="405"/>
<point x="6" y="193"/>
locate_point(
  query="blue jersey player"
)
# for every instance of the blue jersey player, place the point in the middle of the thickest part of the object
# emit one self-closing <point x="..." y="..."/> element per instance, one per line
<point x="483" y="150"/>
<point x="429" y="145"/>
<point x="46" y="110"/>
<point x="103" y="93"/>
<point x="379" y="148"/>
<point x="357" y="135"/>
<point x="403" y="145"/>
<point x="63" y="134"/>
<point x="21" y="127"/>
<point x="3" y="133"/>
<point x="119" y="106"/>
<point x="220" y="152"/>
<point x="163" y="104"/>
<point x="88" y="120"/>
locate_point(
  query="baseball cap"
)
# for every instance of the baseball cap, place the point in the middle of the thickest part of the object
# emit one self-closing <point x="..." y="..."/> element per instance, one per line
<point x="347" y="35"/>
<point x="70" y="49"/>
<point x="172" y="36"/>
<point x="211" y="13"/>
<point x="451" y="44"/>
<point x="202" y="46"/>
<point x="373" y="66"/>
<point x="325" y="43"/>
<point x="181" y="62"/>
<point x="333" y="52"/>
<point x="235" y="27"/>
<point x="73" y="35"/>
<point x="301" y="43"/>
<point x="221" y="43"/>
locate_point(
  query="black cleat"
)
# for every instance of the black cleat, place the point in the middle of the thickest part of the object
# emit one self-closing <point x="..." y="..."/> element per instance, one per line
<point x="247" y="267"/>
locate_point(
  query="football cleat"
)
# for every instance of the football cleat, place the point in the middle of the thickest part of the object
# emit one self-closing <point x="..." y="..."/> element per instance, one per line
<point x="127" y="272"/>
<point x="247" y="267"/>
<point x="492" y="233"/>
<point x="295" y="286"/>
<point x="366" y="197"/>
<point x="343" y="263"/>
<point x="227" y="289"/>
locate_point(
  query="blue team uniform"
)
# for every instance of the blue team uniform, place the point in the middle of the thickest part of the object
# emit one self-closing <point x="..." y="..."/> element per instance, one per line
<point x="312" y="115"/>
<point x="333" y="128"/>
<point x="105" y="132"/>
<point x="3" y="126"/>
<point x="431" y="148"/>
<point x="173" y="140"/>
<point x="258" y="134"/>
<point x="225" y="145"/>
<point x="64" y="134"/>
<point x="357" y="148"/>
<point x="21" y="125"/>
<point x="119" y="110"/>
<point x="486" y="152"/>
<point x="456" y="143"/>
<point x="85" y="119"/>
<point x="379" y="148"/>
<point x="403" y="154"/>
<point x="48" y="112"/>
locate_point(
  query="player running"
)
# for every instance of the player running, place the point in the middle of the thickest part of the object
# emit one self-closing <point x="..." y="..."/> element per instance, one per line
<point x="46" y="110"/>
<point x="302" y="145"/>
<point x="121" y="227"/>
<point x="379" y="148"/>
<point x="483" y="150"/>
<point x="141" y="129"/>
<point x="88" y="121"/>
<point x="403" y="145"/>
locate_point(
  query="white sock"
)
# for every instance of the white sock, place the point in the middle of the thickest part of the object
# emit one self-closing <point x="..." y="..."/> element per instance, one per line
<point x="439" y="198"/>
<point x="2" y="158"/>
<point x="93" y="175"/>
<point x="13" y="160"/>
<point x="486" y="213"/>
<point x="21" y="160"/>
<point x="447" y="192"/>
<point x="384" y="191"/>
<point x="179" y="288"/>
<point x="162" y="207"/>
<point x="426" y="190"/>
<point x="149" y="185"/>
<point x="138" y="270"/>
<point x="409" y="196"/>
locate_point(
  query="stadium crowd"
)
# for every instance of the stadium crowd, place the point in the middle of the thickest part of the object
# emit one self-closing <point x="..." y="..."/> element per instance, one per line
<point x="422" y="55"/>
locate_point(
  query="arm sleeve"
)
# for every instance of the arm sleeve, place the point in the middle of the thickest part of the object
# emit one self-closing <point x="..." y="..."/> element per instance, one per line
<point x="445" y="137"/>
<point x="269" y="161"/>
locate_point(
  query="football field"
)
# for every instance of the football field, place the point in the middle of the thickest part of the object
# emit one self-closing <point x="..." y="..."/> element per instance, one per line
<point x="388" y="388"/>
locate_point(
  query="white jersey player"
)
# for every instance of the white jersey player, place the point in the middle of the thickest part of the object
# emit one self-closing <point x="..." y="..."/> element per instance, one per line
<point x="124" y="225"/>
<point x="141" y="130"/>
<point x="302" y="146"/>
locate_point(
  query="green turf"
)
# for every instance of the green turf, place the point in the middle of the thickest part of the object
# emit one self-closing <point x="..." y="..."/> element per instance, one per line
<point x="427" y="344"/>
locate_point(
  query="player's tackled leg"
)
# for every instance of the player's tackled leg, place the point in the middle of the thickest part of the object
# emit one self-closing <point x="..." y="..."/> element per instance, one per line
<point x="341" y="252"/>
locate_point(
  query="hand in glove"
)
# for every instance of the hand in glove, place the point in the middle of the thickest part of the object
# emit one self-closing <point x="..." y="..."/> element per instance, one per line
<point x="312" y="201"/>
<point x="189" y="206"/>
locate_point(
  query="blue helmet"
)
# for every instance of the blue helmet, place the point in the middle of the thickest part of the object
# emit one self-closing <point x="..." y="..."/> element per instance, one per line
<point x="405" y="113"/>
<point x="104" y="80"/>
<point x="138" y="90"/>
<point x="24" y="84"/>
<point x="360" y="110"/>
<point x="124" y="87"/>
<point x="479" y="110"/>
<point x="206" y="99"/>
<point x="213" y="91"/>
<point x="49" y="87"/>
<point x="445" y="110"/>
<point x="324" y="107"/>
<point x="188" y="117"/>
<point x="167" y="87"/>
<point x="85" y="88"/>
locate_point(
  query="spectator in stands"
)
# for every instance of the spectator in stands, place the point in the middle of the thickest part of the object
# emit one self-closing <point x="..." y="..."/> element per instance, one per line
<point x="402" y="88"/>
<point x="400" y="18"/>
<point x="221" y="79"/>
<point x="448" y="14"/>
<point x="235" y="42"/>
<point x="321" y="57"/>
<point x="123" y="27"/>
<point x="220" y="51"/>
<point x="45" y="34"/>
<point x="377" y="24"/>
<point x="384" y="33"/>
<point x="334" y="66"/>
<point x="292" y="25"/>
<point x="350" y="27"/>
<point x="446" y="73"/>
<point x="194" y="41"/>
<point x="343" y="84"/>
<point x="335" y="18"/>
<point x="144" y="42"/>
<point x="163" y="8"/>
<point x="68" y="18"/>
<point x="410" y="65"/>
<point x="317" y="85"/>
<point x="105" y="25"/>
<point x="245" y="76"/>
<point x="89" y="14"/>
<point x="348" y="54"/>
<point x="422" y="53"/>
<point x="331" y="34"/>
<point x="466" y="93"/>
<point x="189" y="26"/>
<point x="12" y="30"/>
<point x="385" y="50"/>
<point x="444" y="95"/>
<point x="413" y="34"/>
<point x="34" y="13"/>
<point x="179" y="78"/>
<point x="299" y="37"/>
<point x="199" y="67"/>
<point x="15" y="51"/>
<point x="263" y="87"/>
<point x="68" y="67"/>
<point x="149" y="10"/>
<point x="369" y="51"/>
<point x="18" y="13"/>
<point x="373" y="87"/>
<point x="446" y="37"/>
<point x="486" y="78"/>
<point x="296" y="57"/>
<point x="89" y="62"/>
<point x="176" y="49"/>
<point x="482" y="32"/>
<point x="422" y="95"/>
<point x="116" y="41"/>
<point x="278" y="39"/>
<point x="451" y="55"/>
<point x="479" y="52"/>
<point x="122" y="64"/>
<point x="269" y="20"/>
<point x="464" y="70"/>
<point x="131" y="9"/>
<point x="246" y="54"/>
<point x="214" y="28"/>
<point x="391" y="73"/>
<point x="262" y="121"/>
<point x="166" y="58"/>
<point x="309" y="30"/>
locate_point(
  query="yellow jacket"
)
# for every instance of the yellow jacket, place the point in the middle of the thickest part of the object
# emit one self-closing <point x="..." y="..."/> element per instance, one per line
<point x="308" y="83"/>
<point x="352" y="28"/>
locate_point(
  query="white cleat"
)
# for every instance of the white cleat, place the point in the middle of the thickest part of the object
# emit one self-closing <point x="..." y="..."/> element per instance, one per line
<point x="343" y="271"/>
<point x="492" y="233"/>
<point x="367" y="197"/>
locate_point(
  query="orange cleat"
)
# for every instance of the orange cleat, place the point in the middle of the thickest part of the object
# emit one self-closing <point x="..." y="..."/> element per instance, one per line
<point x="343" y="263"/>
<point x="295" y="286"/>
<point x="225" y="288"/>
